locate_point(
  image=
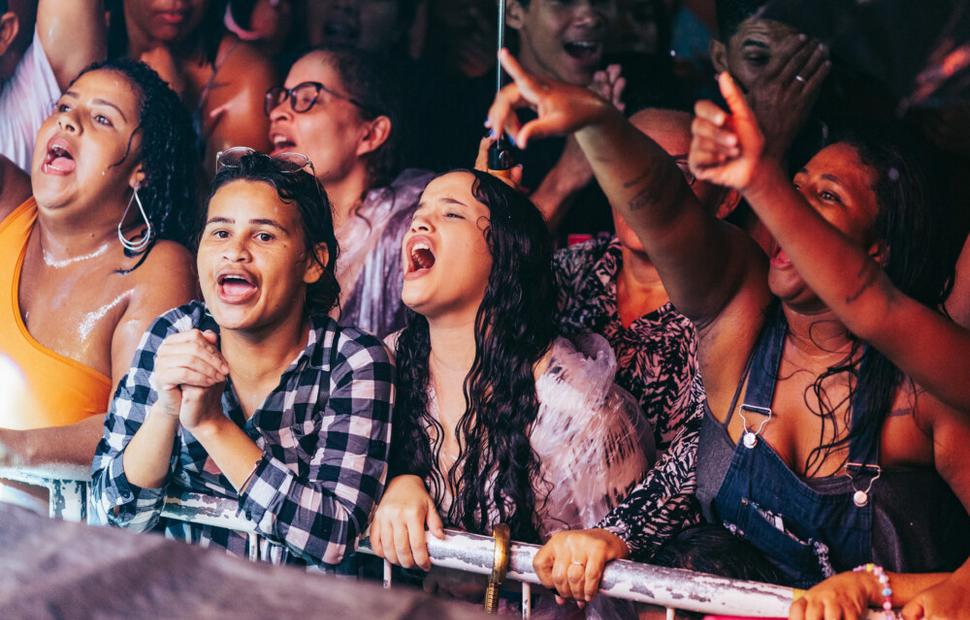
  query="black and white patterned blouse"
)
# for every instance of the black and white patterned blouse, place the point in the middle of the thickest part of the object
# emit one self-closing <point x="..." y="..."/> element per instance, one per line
<point x="657" y="363"/>
<point x="324" y="432"/>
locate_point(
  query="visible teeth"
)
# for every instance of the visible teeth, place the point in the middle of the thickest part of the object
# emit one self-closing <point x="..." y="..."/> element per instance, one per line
<point x="586" y="44"/>
<point x="420" y="246"/>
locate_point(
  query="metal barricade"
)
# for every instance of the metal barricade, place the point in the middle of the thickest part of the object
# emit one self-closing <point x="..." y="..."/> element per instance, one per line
<point x="671" y="588"/>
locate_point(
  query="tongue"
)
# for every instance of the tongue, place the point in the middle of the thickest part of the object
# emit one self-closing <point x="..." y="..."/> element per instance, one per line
<point x="64" y="164"/>
<point x="236" y="288"/>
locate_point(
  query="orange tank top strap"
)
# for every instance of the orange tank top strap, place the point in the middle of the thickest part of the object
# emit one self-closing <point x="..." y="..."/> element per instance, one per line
<point x="41" y="387"/>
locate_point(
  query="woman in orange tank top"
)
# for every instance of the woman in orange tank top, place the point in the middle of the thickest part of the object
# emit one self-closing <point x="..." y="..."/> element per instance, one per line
<point x="89" y="260"/>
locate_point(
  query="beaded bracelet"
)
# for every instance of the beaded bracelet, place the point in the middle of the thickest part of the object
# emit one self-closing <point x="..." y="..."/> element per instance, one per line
<point x="887" y="592"/>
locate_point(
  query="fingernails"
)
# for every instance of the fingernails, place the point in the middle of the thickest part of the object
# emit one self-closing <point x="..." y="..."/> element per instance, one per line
<point x="488" y="123"/>
<point x="802" y="37"/>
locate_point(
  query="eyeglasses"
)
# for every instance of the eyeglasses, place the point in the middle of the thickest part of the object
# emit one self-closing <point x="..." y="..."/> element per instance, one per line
<point x="288" y="162"/>
<point x="304" y="96"/>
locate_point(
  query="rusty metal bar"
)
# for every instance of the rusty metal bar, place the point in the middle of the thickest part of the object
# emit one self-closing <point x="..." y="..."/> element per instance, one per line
<point x="665" y="587"/>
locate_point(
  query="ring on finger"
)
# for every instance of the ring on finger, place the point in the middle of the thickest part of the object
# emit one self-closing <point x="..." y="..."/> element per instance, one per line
<point x="799" y="78"/>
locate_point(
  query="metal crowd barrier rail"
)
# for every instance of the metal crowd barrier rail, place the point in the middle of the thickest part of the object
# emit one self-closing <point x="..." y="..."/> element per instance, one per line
<point x="673" y="589"/>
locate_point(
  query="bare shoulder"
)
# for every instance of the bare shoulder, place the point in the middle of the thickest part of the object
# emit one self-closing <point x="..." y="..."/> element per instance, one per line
<point x="238" y="55"/>
<point x="14" y="187"/>
<point x="165" y="280"/>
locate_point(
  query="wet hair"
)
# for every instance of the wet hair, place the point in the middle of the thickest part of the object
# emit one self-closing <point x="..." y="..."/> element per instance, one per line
<point x="375" y="81"/>
<point x="911" y="226"/>
<point x="205" y="40"/>
<point x="513" y="330"/>
<point x="316" y="218"/>
<point x="731" y="13"/>
<point x="713" y="549"/>
<point x="169" y="192"/>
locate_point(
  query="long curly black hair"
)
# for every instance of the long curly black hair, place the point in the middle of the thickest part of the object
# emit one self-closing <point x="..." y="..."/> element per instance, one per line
<point x="513" y="330"/>
<point x="911" y="224"/>
<point x="169" y="193"/>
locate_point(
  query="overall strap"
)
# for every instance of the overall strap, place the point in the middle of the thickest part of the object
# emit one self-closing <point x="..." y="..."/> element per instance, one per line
<point x="863" y="442"/>
<point x="765" y="361"/>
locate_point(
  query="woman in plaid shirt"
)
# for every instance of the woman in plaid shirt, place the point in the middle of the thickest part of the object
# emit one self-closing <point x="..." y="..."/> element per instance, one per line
<point x="255" y="394"/>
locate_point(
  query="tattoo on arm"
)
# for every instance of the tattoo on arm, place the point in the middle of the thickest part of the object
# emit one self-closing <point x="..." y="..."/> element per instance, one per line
<point x="636" y="180"/>
<point x="868" y="274"/>
<point x="641" y="200"/>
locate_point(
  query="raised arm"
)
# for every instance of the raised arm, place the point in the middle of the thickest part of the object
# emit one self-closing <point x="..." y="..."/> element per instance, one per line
<point x="924" y="344"/>
<point x="704" y="263"/>
<point x="72" y="34"/>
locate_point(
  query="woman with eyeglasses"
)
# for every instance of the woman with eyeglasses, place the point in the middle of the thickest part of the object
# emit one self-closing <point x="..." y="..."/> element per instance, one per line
<point x="220" y="78"/>
<point x="254" y="393"/>
<point x="343" y="109"/>
<point x="90" y="259"/>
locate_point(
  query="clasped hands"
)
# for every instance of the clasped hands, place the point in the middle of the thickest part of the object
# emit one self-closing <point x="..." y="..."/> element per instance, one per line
<point x="190" y="375"/>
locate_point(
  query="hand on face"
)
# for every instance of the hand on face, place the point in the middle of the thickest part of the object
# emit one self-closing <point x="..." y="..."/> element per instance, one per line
<point x="187" y="364"/>
<point x="783" y="95"/>
<point x="726" y="149"/>
<point x="562" y="108"/>
<point x="572" y="562"/>
<point x="397" y="532"/>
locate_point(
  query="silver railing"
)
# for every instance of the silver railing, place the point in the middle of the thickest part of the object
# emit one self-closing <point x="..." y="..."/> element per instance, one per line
<point x="670" y="588"/>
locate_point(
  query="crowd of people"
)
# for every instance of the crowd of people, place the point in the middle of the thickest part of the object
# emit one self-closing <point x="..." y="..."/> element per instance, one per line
<point x="255" y="249"/>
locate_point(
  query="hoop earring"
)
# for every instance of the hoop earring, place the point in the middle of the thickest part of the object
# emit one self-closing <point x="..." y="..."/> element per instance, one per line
<point x="140" y="245"/>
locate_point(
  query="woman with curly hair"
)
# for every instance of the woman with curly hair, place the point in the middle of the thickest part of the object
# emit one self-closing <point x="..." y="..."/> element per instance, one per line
<point x="91" y="257"/>
<point x="498" y="418"/>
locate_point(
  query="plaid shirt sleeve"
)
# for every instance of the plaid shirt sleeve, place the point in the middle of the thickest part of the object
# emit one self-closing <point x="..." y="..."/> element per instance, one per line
<point x="117" y="501"/>
<point x="318" y="514"/>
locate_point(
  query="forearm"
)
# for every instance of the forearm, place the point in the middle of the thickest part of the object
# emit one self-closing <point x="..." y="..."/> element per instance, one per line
<point x="701" y="263"/>
<point x="49" y="449"/>
<point x="907" y="585"/>
<point x="148" y="455"/>
<point x="231" y="449"/>
<point x="553" y="198"/>
<point x="915" y="337"/>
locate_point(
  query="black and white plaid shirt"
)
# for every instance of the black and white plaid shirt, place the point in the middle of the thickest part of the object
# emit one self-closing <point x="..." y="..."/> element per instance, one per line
<point x="324" y="432"/>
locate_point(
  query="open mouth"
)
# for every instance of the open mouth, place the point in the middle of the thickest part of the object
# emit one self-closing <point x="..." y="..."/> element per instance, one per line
<point x="281" y="143"/>
<point x="420" y="257"/>
<point x="584" y="51"/>
<point x="59" y="159"/>
<point x="236" y="287"/>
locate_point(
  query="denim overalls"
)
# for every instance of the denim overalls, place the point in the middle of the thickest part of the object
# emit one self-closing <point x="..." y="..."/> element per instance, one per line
<point x="807" y="534"/>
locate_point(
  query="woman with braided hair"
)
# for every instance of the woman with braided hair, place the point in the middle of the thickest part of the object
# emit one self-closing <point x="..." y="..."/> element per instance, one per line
<point x="91" y="257"/>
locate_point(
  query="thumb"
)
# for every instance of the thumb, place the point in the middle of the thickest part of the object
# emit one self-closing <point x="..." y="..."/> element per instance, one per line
<point x="913" y="611"/>
<point x="745" y="123"/>
<point x="733" y="96"/>
<point x="210" y="336"/>
<point x="435" y="526"/>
